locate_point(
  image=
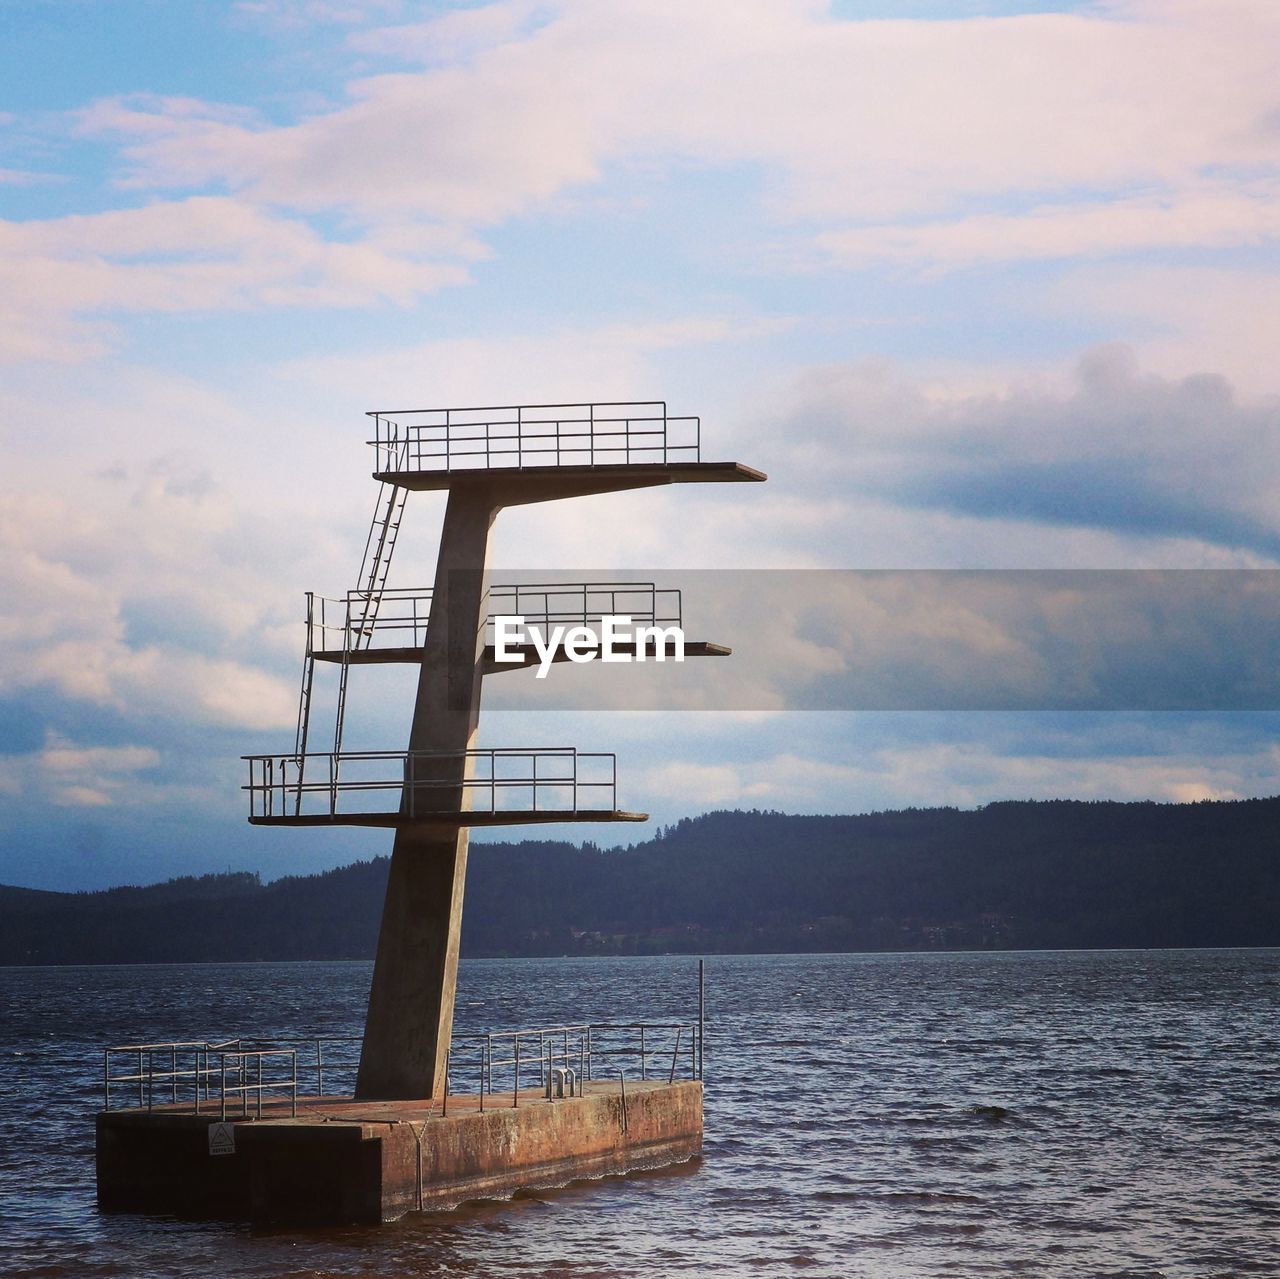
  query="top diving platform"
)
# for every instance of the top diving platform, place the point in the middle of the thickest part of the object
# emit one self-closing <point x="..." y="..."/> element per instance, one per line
<point x="542" y="452"/>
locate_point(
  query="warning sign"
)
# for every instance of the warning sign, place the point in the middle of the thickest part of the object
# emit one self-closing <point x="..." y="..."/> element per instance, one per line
<point x="222" y="1139"/>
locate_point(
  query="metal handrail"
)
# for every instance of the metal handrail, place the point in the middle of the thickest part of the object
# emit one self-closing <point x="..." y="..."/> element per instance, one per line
<point x="432" y="783"/>
<point x="218" y="1078"/>
<point x="524" y="1059"/>
<point x="212" y="1072"/>
<point x="336" y="623"/>
<point x="242" y="1063"/>
<point x="605" y="433"/>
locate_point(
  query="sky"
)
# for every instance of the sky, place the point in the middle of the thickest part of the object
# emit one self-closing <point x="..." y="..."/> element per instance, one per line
<point x="982" y="286"/>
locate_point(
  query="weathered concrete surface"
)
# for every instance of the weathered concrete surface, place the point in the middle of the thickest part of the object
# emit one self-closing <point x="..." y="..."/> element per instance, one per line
<point x="410" y="1019"/>
<point x="365" y="1162"/>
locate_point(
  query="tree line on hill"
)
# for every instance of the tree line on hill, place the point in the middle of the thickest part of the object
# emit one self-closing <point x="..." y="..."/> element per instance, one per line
<point x="1010" y="875"/>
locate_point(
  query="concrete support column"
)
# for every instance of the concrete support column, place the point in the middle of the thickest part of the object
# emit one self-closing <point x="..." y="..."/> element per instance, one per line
<point x="410" y="1020"/>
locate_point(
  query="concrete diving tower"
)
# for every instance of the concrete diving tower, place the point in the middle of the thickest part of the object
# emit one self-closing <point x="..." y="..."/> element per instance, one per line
<point x="221" y="1128"/>
<point x="443" y="784"/>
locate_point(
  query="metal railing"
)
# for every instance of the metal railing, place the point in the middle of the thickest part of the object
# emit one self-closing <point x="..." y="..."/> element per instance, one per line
<point x="523" y="435"/>
<point x="337" y="624"/>
<point x="422" y="784"/>
<point x="500" y="1066"/>
<point x="232" y="1078"/>
<point x="201" y="1076"/>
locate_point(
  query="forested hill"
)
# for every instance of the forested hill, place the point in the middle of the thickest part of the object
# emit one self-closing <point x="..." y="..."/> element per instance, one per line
<point x="1053" y="874"/>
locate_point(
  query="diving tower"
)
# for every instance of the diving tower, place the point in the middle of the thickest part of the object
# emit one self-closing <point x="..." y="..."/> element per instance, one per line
<point x="443" y="784"/>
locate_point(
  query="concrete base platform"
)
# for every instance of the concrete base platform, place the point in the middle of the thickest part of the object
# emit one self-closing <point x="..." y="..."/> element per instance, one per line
<point x="341" y="1161"/>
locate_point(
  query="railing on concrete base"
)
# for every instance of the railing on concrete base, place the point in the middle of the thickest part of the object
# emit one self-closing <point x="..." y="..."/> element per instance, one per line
<point x="207" y="1078"/>
<point x="233" y="1078"/>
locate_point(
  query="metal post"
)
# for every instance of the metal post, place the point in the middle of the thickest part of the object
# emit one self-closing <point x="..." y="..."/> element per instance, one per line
<point x="643" y="1075"/>
<point x="675" y="1052"/>
<point x="106" y="1079"/>
<point x="702" y="1011"/>
<point x="319" y="1068"/>
<point x="515" y="1091"/>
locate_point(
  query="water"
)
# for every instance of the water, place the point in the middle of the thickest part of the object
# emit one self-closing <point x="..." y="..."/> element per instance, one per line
<point x="846" y="1133"/>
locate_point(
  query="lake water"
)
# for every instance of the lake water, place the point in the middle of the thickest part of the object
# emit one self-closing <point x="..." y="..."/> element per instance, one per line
<point x="845" y="1129"/>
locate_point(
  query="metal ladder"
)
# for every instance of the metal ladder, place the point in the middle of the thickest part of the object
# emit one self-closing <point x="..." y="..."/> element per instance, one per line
<point x="358" y="631"/>
<point x="374" y="567"/>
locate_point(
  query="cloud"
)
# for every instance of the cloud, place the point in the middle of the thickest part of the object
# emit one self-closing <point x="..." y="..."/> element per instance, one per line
<point x="78" y="577"/>
<point x="865" y="765"/>
<point x="1201" y="218"/>
<point x="599" y="362"/>
<point x="1226" y="318"/>
<point x="455" y="36"/>
<point x="197" y="255"/>
<point x="295" y="15"/>
<point x="929" y="145"/>
<point x="1115" y="449"/>
<point x="26" y="177"/>
<point x="70" y="775"/>
<point x="1114" y="99"/>
<point x="703" y="785"/>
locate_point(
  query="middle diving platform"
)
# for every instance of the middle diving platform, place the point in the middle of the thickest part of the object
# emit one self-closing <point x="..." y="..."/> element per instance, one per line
<point x="346" y="629"/>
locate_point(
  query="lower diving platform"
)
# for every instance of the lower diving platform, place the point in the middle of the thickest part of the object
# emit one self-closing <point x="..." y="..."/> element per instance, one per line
<point x="451" y="821"/>
<point x="507" y="786"/>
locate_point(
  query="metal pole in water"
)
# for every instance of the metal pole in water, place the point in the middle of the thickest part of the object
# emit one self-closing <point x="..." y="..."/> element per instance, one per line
<point x="702" y="1010"/>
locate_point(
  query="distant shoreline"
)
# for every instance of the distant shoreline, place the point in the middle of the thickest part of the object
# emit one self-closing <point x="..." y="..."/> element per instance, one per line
<point x="1016" y="876"/>
<point x="771" y="954"/>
